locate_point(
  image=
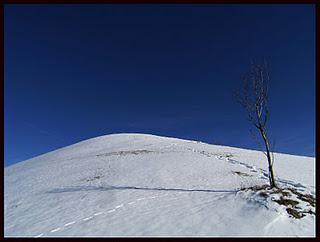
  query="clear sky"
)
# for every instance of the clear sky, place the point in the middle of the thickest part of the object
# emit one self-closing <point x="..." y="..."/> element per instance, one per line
<point x="73" y="72"/>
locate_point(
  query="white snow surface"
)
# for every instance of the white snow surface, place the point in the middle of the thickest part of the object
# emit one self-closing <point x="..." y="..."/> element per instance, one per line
<point x="147" y="185"/>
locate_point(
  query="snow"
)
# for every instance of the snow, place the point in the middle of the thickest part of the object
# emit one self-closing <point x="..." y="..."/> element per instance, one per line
<point x="147" y="185"/>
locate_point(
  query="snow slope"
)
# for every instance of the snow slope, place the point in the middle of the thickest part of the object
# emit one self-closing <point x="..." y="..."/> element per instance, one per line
<point x="146" y="185"/>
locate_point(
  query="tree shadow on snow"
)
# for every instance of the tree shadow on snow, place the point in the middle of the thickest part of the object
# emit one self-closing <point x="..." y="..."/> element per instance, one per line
<point x="109" y="188"/>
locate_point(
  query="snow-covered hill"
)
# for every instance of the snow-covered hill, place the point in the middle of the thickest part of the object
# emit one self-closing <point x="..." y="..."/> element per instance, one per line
<point x="146" y="185"/>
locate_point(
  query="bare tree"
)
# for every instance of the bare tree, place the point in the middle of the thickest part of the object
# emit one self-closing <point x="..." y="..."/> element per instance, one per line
<point x="253" y="96"/>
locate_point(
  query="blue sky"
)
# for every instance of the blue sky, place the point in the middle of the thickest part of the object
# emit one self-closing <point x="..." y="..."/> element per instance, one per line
<point x="74" y="72"/>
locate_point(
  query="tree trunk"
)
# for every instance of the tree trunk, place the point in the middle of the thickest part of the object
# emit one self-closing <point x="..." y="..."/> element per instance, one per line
<point x="271" y="176"/>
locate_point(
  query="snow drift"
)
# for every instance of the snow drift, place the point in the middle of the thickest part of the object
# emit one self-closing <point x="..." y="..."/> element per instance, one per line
<point x="146" y="185"/>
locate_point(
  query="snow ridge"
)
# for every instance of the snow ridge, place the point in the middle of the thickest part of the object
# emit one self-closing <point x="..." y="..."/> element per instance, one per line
<point x="146" y="185"/>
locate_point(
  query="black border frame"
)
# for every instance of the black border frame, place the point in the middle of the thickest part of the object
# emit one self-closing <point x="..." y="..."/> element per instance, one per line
<point x="317" y="24"/>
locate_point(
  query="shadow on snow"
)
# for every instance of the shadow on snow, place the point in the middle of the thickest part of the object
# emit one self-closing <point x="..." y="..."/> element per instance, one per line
<point x="109" y="188"/>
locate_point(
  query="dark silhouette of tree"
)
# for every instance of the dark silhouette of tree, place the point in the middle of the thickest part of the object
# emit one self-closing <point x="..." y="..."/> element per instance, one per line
<point x="253" y="96"/>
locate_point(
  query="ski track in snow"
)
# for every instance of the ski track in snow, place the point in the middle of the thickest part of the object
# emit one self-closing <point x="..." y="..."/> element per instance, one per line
<point x="97" y="214"/>
<point x="55" y="230"/>
<point x="261" y="173"/>
<point x="68" y="224"/>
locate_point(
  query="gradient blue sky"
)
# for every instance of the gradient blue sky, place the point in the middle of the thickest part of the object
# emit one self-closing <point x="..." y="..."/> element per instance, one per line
<point x="74" y="72"/>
